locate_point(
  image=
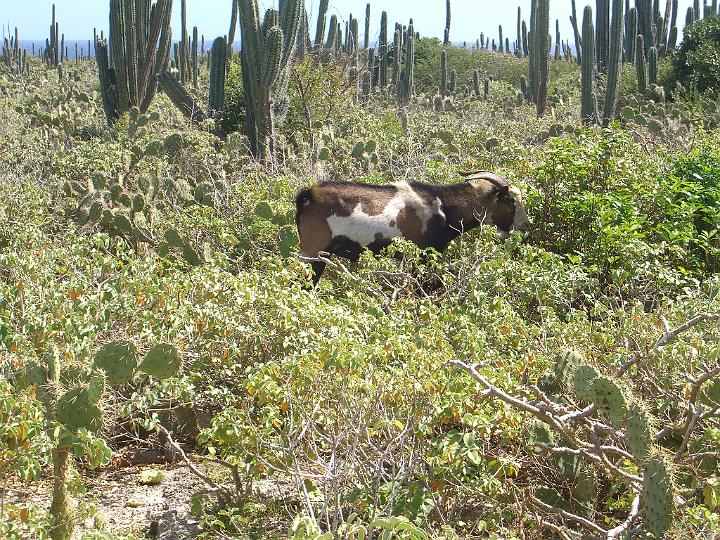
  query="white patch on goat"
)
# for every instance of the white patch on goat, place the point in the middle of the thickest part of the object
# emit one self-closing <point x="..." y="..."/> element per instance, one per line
<point x="521" y="222"/>
<point x="365" y="229"/>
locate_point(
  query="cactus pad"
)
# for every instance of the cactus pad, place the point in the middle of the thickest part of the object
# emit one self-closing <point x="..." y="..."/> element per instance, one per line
<point x="76" y="410"/>
<point x="162" y="361"/>
<point x="639" y="431"/>
<point x="287" y="240"/>
<point x="582" y="378"/>
<point x="565" y="366"/>
<point x="609" y="398"/>
<point x="173" y="238"/>
<point x="96" y="386"/>
<point x="31" y="374"/>
<point x="263" y="210"/>
<point x="118" y="360"/>
<point x="658" y="493"/>
<point x="540" y="433"/>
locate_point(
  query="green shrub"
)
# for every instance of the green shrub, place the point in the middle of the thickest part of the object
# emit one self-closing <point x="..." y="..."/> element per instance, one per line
<point x="697" y="61"/>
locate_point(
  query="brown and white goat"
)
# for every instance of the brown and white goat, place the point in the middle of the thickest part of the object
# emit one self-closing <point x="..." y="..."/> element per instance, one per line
<point x="343" y="218"/>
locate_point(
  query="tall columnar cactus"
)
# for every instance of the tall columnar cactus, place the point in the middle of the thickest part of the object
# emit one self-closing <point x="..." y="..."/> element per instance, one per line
<point x="397" y="55"/>
<point x="194" y="56"/>
<point x="407" y="76"/>
<point x="576" y="32"/>
<point x="367" y="26"/>
<point x="266" y="55"/>
<point x="500" y="32"/>
<point x="216" y="95"/>
<point x="140" y="45"/>
<point x="452" y="85"/>
<point x="476" y="82"/>
<point x="587" y="111"/>
<point x="557" y="39"/>
<point x="519" y="47"/>
<point x="321" y="22"/>
<point x="646" y="23"/>
<point x="640" y="65"/>
<point x="632" y="33"/>
<point x="183" y="48"/>
<point x="689" y="16"/>
<point x="602" y="34"/>
<point x="652" y="66"/>
<point x="672" y="41"/>
<point x="443" y="73"/>
<point x="52" y="47"/>
<point x="614" y="66"/>
<point x="540" y="53"/>
<point x="447" y="23"/>
<point x="525" y="45"/>
<point x="383" y="50"/>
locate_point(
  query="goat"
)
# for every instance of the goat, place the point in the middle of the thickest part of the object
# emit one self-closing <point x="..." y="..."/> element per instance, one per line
<point x="343" y="218"/>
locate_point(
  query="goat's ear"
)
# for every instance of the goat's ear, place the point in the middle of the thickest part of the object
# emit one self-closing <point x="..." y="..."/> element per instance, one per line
<point x="502" y="192"/>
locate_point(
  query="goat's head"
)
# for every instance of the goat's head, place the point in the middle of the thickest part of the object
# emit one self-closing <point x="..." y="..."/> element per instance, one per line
<point x="504" y="206"/>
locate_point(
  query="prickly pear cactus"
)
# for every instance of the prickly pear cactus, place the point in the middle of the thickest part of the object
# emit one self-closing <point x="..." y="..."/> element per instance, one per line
<point x="583" y="377"/>
<point x="118" y="360"/>
<point x="610" y="399"/>
<point x="565" y="366"/>
<point x="639" y="431"/>
<point x="161" y="362"/>
<point x="76" y="410"/>
<point x="658" y="497"/>
<point x="539" y="433"/>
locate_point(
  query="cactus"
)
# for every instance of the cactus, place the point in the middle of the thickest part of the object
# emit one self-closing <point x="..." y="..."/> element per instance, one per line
<point x="640" y="65"/>
<point x="658" y="496"/>
<point x="407" y="76"/>
<point x="501" y="37"/>
<point x="639" y="431"/>
<point x="576" y="32"/>
<point x="216" y="96"/>
<point x="452" y="85"/>
<point x="443" y="73"/>
<point x="565" y="366"/>
<point x="557" y="39"/>
<point x="76" y="409"/>
<point x="367" y="26"/>
<point x="194" y="57"/>
<point x="266" y="69"/>
<point x="118" y="360"/>
<point x="519" y="46"/>
<point x="587" y="108"/>
<point x="614" y="62"/>
<point x="540" y="53"/>
<point x="321" y="22"/>
<point x="632" y="33"/>
<point x="383" y="51"/>
<point x="602" y="34"/>
<point x="476" y="82"/>
<point x="486" y="89"/>
<point x="609" y="398"/>
<point x="583" y="378"/>
<point x="161" y="362"/>
<point x="652" y="66"/>
<point x="140" y="46"/>
<point x="446" y="40"/>
<point x="181" y="98"/>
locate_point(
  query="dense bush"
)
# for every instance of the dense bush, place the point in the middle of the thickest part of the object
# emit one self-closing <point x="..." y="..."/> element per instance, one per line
<point x="696" y="64"/>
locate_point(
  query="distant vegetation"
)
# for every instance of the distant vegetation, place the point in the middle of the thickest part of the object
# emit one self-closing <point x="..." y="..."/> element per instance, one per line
<point x="560" y="385"/>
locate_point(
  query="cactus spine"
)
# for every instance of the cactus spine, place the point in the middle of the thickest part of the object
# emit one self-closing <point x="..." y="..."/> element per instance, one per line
<point x="614" y="65"/>
<point x="640" y="66"/>
<point x="587" y="112"/>
<point x="266" y="60"/>
<point x="140" y="45"/>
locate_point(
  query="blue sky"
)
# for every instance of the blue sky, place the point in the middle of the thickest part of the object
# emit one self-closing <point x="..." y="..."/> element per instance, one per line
<point x="469" y="17"/>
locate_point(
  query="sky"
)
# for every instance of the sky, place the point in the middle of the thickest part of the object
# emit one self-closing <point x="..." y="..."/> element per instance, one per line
<point x="212" y="17"/>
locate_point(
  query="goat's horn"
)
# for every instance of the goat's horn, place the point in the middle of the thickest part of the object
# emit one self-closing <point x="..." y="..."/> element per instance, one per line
<point x="493" y="178"/>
